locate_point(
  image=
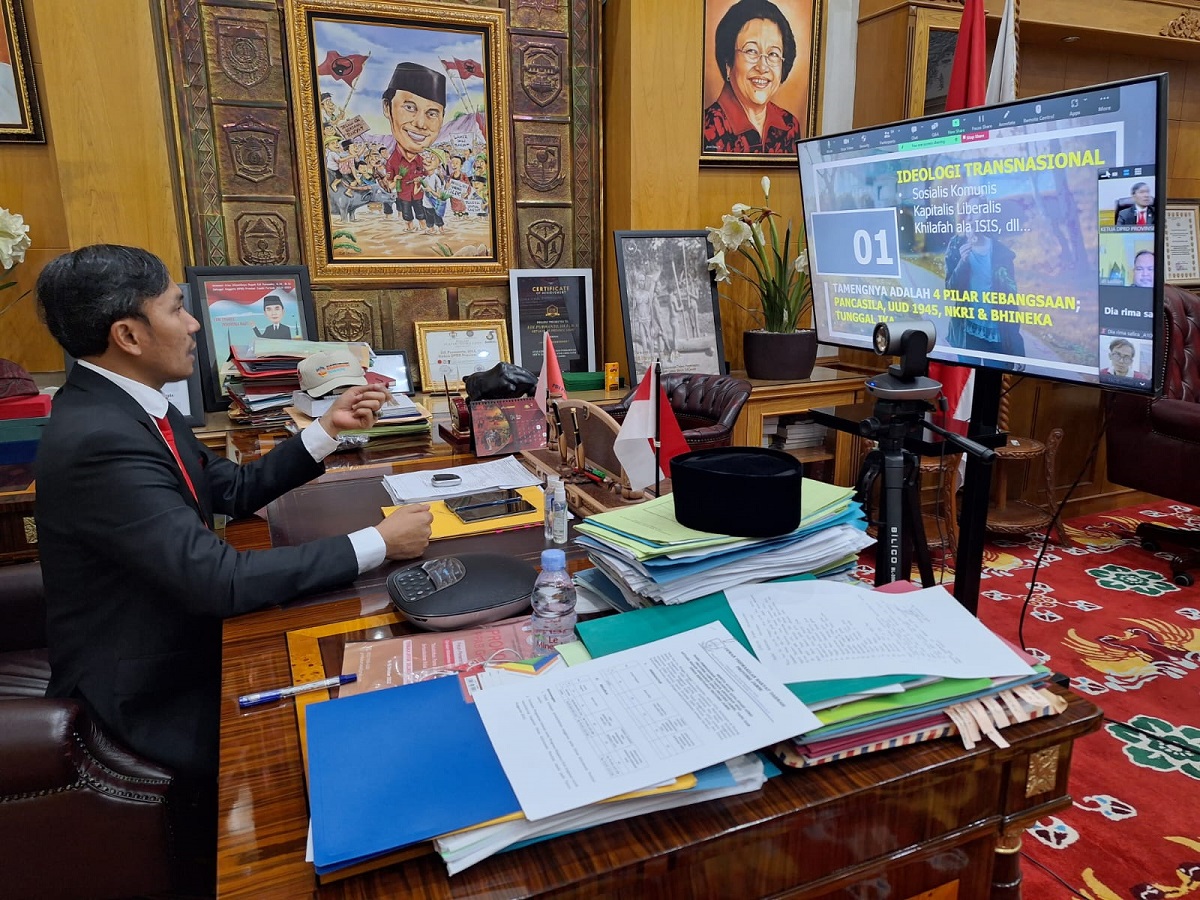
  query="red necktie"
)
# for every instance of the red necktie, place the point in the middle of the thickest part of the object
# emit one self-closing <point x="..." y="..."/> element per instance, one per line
<point x="169" y="436"/>
<point x="1141" y="217"/>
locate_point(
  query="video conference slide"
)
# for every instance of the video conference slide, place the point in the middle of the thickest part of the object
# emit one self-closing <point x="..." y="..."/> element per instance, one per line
<point x="1026" y="234"/>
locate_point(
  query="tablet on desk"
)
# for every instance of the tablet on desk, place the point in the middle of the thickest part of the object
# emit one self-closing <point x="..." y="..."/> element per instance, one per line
<point x="393" y="364"/>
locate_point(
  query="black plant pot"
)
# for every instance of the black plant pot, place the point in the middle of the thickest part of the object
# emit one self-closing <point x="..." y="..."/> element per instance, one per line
<point x="776" y="356"/>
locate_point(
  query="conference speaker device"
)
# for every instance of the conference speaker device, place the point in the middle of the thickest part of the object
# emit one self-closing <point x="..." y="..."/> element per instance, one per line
<point x="461" y="591"/>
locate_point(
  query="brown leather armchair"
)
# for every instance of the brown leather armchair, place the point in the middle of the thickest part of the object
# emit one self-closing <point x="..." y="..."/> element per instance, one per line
<point x="707" y="406"/>
<point x="79" y="815"/>
<point x="1153" y="445"/>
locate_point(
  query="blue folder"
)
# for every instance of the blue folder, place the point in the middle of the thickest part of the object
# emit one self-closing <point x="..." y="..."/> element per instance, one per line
<point x="394" y="767"/>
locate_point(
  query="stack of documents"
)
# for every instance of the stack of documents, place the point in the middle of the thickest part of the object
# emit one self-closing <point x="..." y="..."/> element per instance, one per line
<point x="650" y="558"/>
<point x="262" y="377"/>
<point x="742" y="775"/>
<point x="878" y="668"/>
<point x="419" y="487"/>
<point x="653" y="727"/>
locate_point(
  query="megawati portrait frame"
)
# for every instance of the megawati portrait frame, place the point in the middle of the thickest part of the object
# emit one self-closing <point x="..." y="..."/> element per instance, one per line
<point x="558" y="301"/>
<point x="449" y="351"/>
<point x="755" y="105"/>
<point x="237" y="304"/>
<point x="401" y="117"/>
<point x="669" y="302"/>
<point x="20" y="114"/>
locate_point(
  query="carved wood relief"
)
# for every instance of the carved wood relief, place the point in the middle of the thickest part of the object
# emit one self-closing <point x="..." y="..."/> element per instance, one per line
<point x="1186" y="25"/>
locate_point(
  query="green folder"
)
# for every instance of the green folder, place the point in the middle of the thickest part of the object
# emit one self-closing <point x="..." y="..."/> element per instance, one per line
<point x="609" y="634"/>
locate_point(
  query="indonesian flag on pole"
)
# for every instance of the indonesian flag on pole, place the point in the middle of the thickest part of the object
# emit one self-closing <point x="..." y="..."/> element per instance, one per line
<point x="634" y="445"/>
<point x="550" y="381"/>
<point x="968" y="87"/>
<point x="1002" y="82"/>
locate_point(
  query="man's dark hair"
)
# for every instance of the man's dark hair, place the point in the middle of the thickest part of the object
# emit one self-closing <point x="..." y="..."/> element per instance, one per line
<point x="735" y="20"/>
<point x="1121" y="342"/>
<point x="1137" y="187"/>
<point x="82" y="293"/>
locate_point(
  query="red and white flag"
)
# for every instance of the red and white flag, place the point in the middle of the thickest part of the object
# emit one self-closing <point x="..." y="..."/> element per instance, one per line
<point x="634" y="445"/>
<point x="550" y="382"/>
<point x="968" y="87"/>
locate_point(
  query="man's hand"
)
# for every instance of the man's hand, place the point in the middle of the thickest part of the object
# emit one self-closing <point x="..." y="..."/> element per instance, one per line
<point x="406" y="531"/>
<point x="357" y="407"/>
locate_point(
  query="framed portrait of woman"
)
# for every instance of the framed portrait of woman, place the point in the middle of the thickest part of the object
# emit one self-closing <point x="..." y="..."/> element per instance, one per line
<point x="761" y="63"/>
<point x="20" y="116"/>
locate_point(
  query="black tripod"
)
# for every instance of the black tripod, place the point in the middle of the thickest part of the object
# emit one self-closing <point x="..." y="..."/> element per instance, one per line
<point x="901" y="533"/>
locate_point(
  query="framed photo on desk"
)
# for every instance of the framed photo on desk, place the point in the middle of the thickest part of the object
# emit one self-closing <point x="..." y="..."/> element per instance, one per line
<point x="236" y="305"/>
<point x="669" y="302"/>
<point x="450" y="351"/>
<point x="558" y="301"/>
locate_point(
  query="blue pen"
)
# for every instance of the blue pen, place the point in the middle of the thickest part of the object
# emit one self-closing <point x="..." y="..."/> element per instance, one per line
<point x="271" y="696"/>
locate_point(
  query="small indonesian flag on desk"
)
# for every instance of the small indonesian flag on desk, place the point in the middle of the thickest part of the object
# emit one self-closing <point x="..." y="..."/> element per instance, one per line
<point x="634" y="445"/>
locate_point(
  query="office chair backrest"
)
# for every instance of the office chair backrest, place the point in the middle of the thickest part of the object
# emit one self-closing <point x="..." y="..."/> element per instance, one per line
<point x="1182" y="378"/>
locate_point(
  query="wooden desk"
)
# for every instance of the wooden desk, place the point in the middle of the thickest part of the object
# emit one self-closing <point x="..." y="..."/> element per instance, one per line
<point x="927" y="818"/>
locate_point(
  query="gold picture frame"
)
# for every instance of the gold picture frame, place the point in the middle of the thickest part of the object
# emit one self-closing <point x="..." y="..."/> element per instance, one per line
<point x="449" y="351"/>
<point x="410" y="187"/>
<point x="20" y="114"/>
<point x="1181" y="242"/>
<point x="791" y="98"/>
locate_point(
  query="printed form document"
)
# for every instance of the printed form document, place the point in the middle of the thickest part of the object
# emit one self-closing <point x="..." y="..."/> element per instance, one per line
<point x="636" y="718"/>
<point x="816" y="631"/>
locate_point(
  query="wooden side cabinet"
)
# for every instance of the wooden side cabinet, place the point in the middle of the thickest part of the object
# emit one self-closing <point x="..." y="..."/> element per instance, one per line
<point x="828" y="386"/>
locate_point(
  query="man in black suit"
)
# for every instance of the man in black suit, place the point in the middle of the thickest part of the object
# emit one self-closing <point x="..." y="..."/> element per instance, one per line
<point x="136" y="580"/>
<point x="273" y="310"/>
<point x="1142" y="210"/>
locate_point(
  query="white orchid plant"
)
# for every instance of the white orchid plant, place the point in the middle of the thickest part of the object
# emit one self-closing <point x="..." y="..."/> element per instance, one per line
<point x="14" y="241"/>
<point x="782" y="281"/>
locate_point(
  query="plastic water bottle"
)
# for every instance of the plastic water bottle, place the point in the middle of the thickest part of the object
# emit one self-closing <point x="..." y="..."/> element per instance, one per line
<point x="553" y="619"/>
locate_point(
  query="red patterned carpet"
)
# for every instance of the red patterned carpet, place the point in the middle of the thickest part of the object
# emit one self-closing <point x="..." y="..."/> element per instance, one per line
<point x="1106" y="613"/>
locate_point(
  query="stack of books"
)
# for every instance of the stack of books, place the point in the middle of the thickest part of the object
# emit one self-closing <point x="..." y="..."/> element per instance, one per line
<point x="402" y="424"/>
<point x="643" y="556"/>
<point x="797" y="432"/>
<point x="264" y="377"/>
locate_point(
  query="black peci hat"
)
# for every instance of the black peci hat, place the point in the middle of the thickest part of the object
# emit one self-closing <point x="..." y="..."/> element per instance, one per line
<point x="745" y="491"/>
<point x="419" y="80"/>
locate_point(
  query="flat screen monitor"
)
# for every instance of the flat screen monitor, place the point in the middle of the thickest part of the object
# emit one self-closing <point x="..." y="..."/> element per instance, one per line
<point x="1027" y="232"/>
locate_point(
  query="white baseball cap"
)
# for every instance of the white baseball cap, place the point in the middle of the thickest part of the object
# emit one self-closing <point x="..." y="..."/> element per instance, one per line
<point x="330" y="369"/>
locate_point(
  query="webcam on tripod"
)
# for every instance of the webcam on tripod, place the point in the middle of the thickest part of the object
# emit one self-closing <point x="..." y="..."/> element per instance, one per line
<point x="908" y="379"/>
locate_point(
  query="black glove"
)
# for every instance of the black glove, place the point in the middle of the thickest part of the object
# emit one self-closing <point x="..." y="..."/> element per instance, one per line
<point x="501" y="382"/>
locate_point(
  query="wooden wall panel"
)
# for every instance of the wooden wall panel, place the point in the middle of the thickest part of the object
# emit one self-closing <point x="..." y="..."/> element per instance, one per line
<point x="653" y="104"/>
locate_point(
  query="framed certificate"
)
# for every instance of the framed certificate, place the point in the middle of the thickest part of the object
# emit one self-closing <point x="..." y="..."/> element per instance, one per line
<point x="1181" y="242"/>
<point x="450" y="351"/>
<point x="558" y="301"/>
